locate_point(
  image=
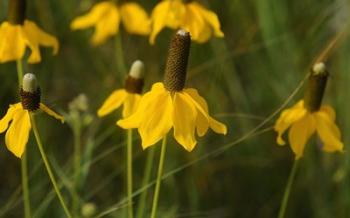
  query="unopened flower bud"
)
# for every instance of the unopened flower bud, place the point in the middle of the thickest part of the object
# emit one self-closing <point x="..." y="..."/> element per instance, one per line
<point x="16" y="12"/>
<point x="134" y="81"/>
<point x="315" y="87"/>
<point x="176" y="65"/>
<point x="30" y="93"/>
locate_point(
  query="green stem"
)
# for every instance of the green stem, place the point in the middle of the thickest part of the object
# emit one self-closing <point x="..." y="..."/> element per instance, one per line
<point x="286" y="194"/>
<point x="77" y="161"/>
<point x="129" y="172"/>
<point x="24" y="166"/>
<point x="46" y="163"/>
<point x="24" y="170"/>
<point x="145" y="181"/>
<point x="121" y="68"/>
<point x="159" y="178"/>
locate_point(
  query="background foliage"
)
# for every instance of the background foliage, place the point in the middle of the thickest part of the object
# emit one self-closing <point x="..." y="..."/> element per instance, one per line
<point x="268" y="48"/>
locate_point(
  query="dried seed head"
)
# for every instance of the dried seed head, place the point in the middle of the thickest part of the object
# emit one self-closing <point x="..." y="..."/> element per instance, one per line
<point x="315" y="87"/>
<point x="16" y="12"/>
<point x="134" y="81"/>
<point x="30" y="93"/>
<point x="176" y="65"/>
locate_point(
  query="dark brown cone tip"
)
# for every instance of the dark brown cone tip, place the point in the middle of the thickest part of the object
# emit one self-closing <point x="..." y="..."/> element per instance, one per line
<point x="176" y="65"/>
<point x="315" y="89"/>
<point x="16" y="12"/>
<point x="30" y="101"/>
<point x="133" y="85"/>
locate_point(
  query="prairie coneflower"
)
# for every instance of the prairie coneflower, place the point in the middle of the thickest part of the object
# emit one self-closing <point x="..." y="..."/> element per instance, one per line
<point x="193" y="17"/>
<point x="309" y="116"/>
<point x="169" y="104"/>
<point x="17" y="133"/>
<point x="17" y="33"/>
<point x="106" y="17"/>
<point x="129" y="97"/>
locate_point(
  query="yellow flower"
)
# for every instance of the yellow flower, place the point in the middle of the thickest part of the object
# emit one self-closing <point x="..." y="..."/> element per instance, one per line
<point x="17" y="133"/>
<point x="169" y="104"/>
<point x="193" y="17"/>
<point x="14" y="38"/>
<point x="106" y="17"/>
<point x="128" y="97"/>
<point x="303" y="124"/>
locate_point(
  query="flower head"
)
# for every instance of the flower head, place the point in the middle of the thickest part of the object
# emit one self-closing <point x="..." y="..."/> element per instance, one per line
<point x="169" y="104"/>
<point x="129" y="97"/>
<point x="106" y="17"/>
<point x="309" y="116"/>
<point x="193" y="17"/>
<point x="17" y="119"/>
<point x="17" y="33"/>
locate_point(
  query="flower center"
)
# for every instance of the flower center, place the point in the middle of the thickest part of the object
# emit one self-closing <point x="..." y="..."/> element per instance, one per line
<point x="134" y="81"/>
<point x="16" y="12"/>
<point x="176" y="65"/>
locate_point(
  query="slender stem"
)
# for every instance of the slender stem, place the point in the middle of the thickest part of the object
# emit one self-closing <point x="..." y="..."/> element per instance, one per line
<point x="19" y="72"/>
<point x="145" y="181"/>
<point x="47" y="165"/>
<point x="24" y="166"/>
<point x="129" y="172"/>
<point x="291" y="177"/>
<point x="121" y="68"/>
<point x="26" y="199"/>
<point x="77" y="162"/>
<point x="159" y="178"/>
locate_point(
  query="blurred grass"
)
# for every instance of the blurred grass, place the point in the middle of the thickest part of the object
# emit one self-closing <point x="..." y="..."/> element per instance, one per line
<point x="268" y="48"/>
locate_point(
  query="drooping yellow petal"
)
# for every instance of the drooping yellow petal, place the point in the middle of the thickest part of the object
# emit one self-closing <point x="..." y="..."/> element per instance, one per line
<point x="184" y="119"/>
<point x="134" y="120"/>
<point x="112" y="102"/>
<point x="328" y="110"/>
<point x="35" y="37"/>
<point x="51" y="112"/>
<point x="299" y="134"/>
<point x="17" y="135"/>
<point x="196" y="24"/>
<point x="135" y="19"/>
<point x="4" y="122"/>
<point x="211" y="19"/>
<point x="131" y="103"/>
<point x="287" y="118"/>
<point x="12" y="42"/>
<point x="104" y="16"/>
<point x="328" y="131"/>
<point x="204" y="121"/>
<point x="157" y="119"/>
<point x="168" y="13"/>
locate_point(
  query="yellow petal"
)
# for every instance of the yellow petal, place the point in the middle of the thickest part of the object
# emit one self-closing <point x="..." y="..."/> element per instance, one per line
<point x="217" y="126"/>
<point x="299" y="134"/>
<point x="168" y="13"/>
<point x="328" y="132"/>
<point x="17" y="135"/>
<point x="328" y="110"/>
<point x="112" y="102"/>
<point x="51" y="112"/>
<point x="211" y="19"/>
<point x="4" y="122"/>
<point x="184" y="119"/>
<point x="196" y="24"/>
<point x="287" y="118"/>
<point x="35" y="37"/>
<point x="12" y="42"/>
<point x="131" y="103"/>
<point x="135" y="19"/>
<point x="134" y="120"/>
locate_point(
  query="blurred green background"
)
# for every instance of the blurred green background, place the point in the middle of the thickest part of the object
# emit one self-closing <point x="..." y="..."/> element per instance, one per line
<point x="268" y="49"/>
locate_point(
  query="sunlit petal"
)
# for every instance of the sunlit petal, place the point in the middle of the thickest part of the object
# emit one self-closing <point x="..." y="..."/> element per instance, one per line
<point x="131" y="103"/>
<point x="17" y="135"/>
<point x="51" y="112"/>
<point x="196" y="24"/>
<point x="299" y="134"/>
<point x="12" y="43"/>
<point x="4" y="122"/>
<point x="112" y="102"/>
<point x="287" y="118"/>
<point x="328" y="131"/>
<point x="135" y="19"/>
<point x="217" y="126"/>
<point x="184" y="119"/>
